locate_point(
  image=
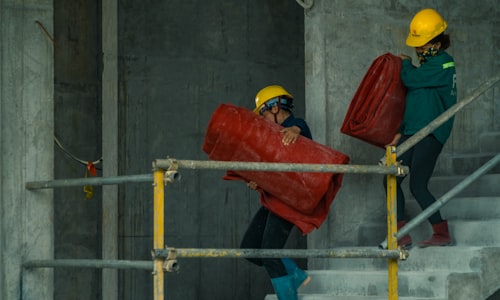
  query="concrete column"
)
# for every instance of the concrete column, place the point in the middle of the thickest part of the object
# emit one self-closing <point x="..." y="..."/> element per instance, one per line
<point x="110" y="145"/>
<point x="316" y="91"/>
<point x="27" y="139"/>
<point x="316" y="73"/>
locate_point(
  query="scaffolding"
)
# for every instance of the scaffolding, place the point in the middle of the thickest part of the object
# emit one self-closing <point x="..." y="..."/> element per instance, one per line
<point x="165" y="171"/>
<point x="165" y="259"/>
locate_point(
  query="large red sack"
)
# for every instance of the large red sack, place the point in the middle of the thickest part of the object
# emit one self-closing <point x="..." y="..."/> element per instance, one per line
<point x="377" y="108"/>
<point x="238" y="134"/>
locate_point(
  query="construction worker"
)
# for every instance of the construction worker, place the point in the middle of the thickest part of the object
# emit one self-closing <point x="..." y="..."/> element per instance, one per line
<point x="267" y="230"/>
<point x="431" y="91"/>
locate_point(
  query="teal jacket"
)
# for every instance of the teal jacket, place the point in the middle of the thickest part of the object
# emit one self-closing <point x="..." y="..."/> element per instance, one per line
<point x="431" y="91"/>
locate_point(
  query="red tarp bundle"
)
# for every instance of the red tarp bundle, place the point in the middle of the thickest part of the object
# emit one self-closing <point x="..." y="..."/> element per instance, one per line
<point x="377" y="108"/>
<point x="238" y="134"/>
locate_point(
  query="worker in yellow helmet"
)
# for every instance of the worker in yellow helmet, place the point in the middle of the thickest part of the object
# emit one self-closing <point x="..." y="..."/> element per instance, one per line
<point x="275" y="104"/>
<point x="431" y="91"/>
<point x="268" y="230"/>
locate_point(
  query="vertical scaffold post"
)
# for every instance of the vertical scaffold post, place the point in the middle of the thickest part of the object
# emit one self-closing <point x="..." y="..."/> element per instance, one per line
<point x="392" y="242"/>
<point x="158" y="235"/>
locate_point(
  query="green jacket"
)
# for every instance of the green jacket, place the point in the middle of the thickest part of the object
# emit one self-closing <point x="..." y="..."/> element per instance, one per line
<point x="431" y="91"/>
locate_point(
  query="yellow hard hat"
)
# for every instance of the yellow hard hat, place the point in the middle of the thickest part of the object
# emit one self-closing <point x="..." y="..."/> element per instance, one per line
<point x="268" y="93"/>
<point x="425" y="25"/>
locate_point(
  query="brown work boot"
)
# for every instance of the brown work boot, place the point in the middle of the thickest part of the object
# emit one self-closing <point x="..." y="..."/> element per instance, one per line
<point x="405" y="241"/>
<point x="440" y="237"/>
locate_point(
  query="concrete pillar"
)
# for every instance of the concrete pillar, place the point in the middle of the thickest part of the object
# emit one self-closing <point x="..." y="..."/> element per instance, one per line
<point x="316" y="73"/>
<point x="110" y="145"/>
<point x="27" y="139"/>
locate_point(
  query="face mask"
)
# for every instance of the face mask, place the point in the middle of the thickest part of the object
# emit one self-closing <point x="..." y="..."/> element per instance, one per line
<point x="422" y="56"/>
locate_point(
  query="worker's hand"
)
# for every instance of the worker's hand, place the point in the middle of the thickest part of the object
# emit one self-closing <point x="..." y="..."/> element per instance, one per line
<point x="404" y="56"/>
<point x="395" y="140"/>
<point x="252" y="185"/>
<point x="290" y="135"/>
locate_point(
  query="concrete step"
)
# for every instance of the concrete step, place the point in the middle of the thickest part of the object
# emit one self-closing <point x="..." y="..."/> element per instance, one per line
<point x="465" y="271"/>
<point x="375" y="283"/>
<point x="465" y="164"/>
<point x="485" y="186"/>
<point x="457" y="258"/>
<point x="465" y="208"/>
<point x="436" y="273"/>
<point x="488" y="142"/>
<point x="472" y="220"/>
<point x="476" y="232"/>
<point x="464" y="232"/>
<point x="335" y="297"/>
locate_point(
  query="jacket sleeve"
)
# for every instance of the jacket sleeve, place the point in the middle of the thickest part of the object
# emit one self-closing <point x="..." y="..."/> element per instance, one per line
<point x="429" y="75"/>
<point x="304" y="129"/>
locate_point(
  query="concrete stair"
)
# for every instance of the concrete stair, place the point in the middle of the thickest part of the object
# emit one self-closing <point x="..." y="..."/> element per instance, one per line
<point x="374" y="283"/>
<point x="470" y="270"/>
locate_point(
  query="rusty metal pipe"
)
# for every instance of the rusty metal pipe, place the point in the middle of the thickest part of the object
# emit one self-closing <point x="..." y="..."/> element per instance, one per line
<point x="48" y="184"/>
<point x="392" y="266"/>
<point x="358" y="252"/>
<point x="281" y="167"/>
<point x="89" y="263"/>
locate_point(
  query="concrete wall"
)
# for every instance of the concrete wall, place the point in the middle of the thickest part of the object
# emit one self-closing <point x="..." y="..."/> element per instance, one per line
<point x="26" y="117"/>
<point x="174" y="71"/>
<point x="178" y="61"/>
<point x="341" y="40"/>
<point x="77" y="110"/>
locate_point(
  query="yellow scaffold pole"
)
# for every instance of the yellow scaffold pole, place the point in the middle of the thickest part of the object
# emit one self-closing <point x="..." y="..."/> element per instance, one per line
<point x="392" y="242"/>
<point x="159" y="232"/>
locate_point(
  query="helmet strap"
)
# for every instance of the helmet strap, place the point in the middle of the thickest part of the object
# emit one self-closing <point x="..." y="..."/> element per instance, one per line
<point x="279" y="108"/>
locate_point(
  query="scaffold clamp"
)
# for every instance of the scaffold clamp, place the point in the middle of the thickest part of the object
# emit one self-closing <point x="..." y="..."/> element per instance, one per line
<point x="401" y="170"/>
<point x="172" y="173"/>
<point x="171" y="264"/>
<point x="403" y="254"/>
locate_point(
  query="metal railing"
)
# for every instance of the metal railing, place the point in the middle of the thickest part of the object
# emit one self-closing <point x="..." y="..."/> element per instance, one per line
<point x="421" y="217"/>
<point x="412" y="141"/>
<point x="165" y="171"/>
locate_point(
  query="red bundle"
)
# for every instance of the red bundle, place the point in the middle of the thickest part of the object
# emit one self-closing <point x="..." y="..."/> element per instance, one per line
<point x="303" y="198"/>
<point x="377" y="108"/>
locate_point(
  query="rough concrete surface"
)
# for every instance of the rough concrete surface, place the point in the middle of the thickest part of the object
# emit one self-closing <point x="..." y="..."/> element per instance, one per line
<point x="176" y="62"/>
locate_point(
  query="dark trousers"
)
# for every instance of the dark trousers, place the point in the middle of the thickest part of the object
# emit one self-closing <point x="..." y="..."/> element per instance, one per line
<point x="267" y="231"/>
<point x="421" y="160"/>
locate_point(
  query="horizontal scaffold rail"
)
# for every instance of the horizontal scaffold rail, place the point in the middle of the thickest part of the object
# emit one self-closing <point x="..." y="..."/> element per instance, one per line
<point x="358" y="252"/>
<point x="89" y="263"/>
<point x="173" y="253"/>
<point x="57" y="183"/>
<point x="171" y="163"/>
<point x="174" y="164"/>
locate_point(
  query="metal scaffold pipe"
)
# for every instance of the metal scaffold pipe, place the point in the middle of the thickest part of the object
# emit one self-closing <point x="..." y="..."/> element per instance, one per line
<point x="281" y="167"/>
<point x="422" y="217"/>
<point x="392" y="266"/>
<point x="218" y="165"/>
<point x="170" y="253"/>
<point x="358" y="252"/>
<point x="89" y="263"/>
<point x="48" y="184"/>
